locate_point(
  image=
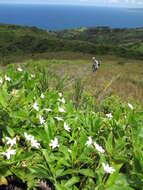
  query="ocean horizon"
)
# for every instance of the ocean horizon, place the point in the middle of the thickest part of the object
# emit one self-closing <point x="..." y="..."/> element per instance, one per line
<point x="59" y="17"/>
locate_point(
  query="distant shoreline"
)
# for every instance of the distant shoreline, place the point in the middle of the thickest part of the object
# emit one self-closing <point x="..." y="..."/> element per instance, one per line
<point x="68" y="29"/>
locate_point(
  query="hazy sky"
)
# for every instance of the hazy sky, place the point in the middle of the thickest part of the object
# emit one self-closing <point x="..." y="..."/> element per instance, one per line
<point x="128" y="3"/>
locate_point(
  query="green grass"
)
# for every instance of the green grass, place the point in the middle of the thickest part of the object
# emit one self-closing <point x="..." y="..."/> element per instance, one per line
<point x="118" y="76"/>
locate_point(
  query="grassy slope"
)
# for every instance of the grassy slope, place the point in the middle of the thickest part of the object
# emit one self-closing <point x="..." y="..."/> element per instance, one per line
<point x="120" y="37"/>
<point x="129" y="81"/>
<point x="118" y="76"/>
<point x="121" y="42"/>
<point x="17" y="42"/>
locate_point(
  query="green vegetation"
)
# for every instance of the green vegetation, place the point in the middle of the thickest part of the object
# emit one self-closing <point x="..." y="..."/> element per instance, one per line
<point x="49" y="139"/>
<point x="116" y="76"/>
<point x="63" y="127"/>
<point x="122" y="42"/>
<point x="17" y="42"/>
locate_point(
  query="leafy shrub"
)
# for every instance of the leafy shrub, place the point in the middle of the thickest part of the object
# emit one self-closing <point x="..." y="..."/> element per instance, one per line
<point x="43" y="137"/>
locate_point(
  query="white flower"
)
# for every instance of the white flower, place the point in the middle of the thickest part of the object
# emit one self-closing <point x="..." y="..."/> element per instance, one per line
<point x="35" y="106"/>
<point x="62" y="100"/>
<point x="58" y="118"/>
<point x="48" y="110"/>
<point x="99" y="148"/>
<point x="32" y="140"/>
<point x="89" y="141"/>
<point x="54" y="143"/>
<point x="34" y="143"/>
<point x="66" y="127"/>
<point x="10" y="141"/>
<point x="69" y="150"/>
<point x="42" y="121"/>
<point x="1" y="81"/>
<point x="60" y="94"/>
<point x="109" y="115"/>
<point x="7" y="78"/>
<point x="107" y="168"/>
<point x="19" y="69"/>
<point x="32" y="76"/>
<point x="28" y="137"/>
<point x="42" y="96"/>
<point x="9" y="153"/>
<point x="130" y="106"/>
<point x="61" y="110"/>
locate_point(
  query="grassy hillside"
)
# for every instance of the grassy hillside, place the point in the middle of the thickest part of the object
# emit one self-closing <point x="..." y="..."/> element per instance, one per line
<point x="124" y="42"/>
<point x="72" y="54"/>
<point x="116" y="76"/>
<point x="17" y="42"/>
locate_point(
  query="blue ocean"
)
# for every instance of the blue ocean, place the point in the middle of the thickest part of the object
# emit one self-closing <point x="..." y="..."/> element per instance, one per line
<point x="58" y="17"/>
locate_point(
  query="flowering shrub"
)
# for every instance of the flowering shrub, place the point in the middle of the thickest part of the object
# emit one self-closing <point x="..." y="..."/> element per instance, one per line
<point x="44" y="137"/>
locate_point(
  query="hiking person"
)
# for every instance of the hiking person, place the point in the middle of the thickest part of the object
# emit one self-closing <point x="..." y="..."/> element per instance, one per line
<point x="95" y="64"/>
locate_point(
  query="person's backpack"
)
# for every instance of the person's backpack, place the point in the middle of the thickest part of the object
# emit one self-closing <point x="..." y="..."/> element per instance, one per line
<point x="98" y="63"/>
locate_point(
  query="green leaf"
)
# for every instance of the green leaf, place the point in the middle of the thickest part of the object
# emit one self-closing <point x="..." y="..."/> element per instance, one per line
<point x="4" y="97"/>
<point x="108" y="144"/>
<point x="48" y="131"/>
<point x="87" y="172"/>
<point x="39" y="172"/>
<point x="61" y="187"/>
<point x="10" y="131"/>
<point x="74" y="151"/>
<point x="120" y="183"/>
<point x="59" y="173"/>
<point x="116" y="187"/>
<point x="72" y="181"/>
<point x="4" y="171"/>
<point x="82" y="139"/>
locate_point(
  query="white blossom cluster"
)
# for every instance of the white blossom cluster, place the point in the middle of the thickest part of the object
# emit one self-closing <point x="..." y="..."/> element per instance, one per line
<point x="106" y="167"/>
<point x="54" y="143"/>
<point x="31" y="139"/>
<point x="99" y="148"/>
<point x="10" y="151"/>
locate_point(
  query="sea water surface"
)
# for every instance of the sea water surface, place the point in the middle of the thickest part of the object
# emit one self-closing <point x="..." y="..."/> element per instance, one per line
<point x="58" y="17"/>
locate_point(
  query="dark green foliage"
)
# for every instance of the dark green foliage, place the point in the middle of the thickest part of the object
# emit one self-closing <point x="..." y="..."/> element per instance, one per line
<point x="122" y="42"/>
<point x="18" y="41"/>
